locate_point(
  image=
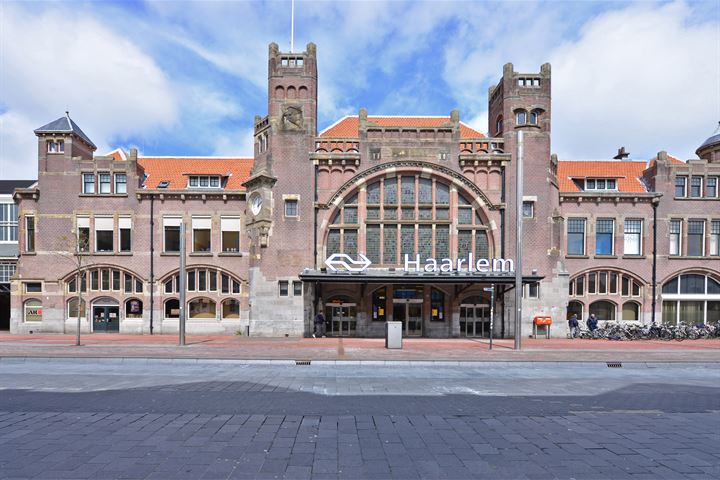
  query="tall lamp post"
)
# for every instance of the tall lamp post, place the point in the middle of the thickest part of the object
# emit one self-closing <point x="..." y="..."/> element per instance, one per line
<point x="518" y="241"/>
<point x="181" y="285"/>
<point x="655" y="202"/>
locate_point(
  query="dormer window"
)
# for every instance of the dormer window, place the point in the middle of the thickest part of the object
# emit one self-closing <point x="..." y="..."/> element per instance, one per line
<point x="56" y="146"/>
<point x="204" y="181"/>
<point x="600" y="184"/>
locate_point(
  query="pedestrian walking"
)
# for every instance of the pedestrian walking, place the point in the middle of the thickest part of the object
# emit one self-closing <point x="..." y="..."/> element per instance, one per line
<point x="573" y="324"/>
<point x="319" y="325"/>
<point x="592" y="322"/>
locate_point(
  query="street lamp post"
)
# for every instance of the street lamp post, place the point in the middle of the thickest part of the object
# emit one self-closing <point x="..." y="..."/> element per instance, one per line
<point x="518" y="240"/>
<point x="181" y="285"/>
<point x="491" y="289"/>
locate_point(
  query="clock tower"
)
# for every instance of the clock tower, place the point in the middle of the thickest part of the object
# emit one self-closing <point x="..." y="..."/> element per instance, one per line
<point x="280" y="209"/>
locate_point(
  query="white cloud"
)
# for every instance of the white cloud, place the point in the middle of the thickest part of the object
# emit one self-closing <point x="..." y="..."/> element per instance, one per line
<point x="110" y="86"/>
<point x="644" y="77"/>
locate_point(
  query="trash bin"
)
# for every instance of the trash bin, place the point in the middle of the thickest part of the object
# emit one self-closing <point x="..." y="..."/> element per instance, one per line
<point x="393" y="334"/>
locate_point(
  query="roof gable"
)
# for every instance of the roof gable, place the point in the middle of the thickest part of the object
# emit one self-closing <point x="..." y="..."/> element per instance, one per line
<point x="347" y="127"/>
<point x="627" y="173"/>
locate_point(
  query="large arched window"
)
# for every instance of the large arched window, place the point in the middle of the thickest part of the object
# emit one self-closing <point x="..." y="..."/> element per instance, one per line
<point x="408" y="214"/>
<point x="230" y="309"/>
<point x="692" y="298"/>
<point x="575" y="308"/>
<point x="33" y="310"/>
<point x="72" y="308"/>
<point x="631" y="311"/>
<point x="603" y="310"/>
<point x="172" y="308"/>
<point x="134" y="308"/>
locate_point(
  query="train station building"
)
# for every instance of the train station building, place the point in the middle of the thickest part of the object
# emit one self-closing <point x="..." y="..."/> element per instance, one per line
<point x="372" y="218"/>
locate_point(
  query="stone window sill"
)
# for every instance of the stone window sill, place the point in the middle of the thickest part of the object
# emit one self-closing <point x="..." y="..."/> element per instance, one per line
<point x="577" y="256"/>
<point x="630" y="257"/>
<point x="606" y="256"/>
<point x="230" y="254"/>
<point x="201" y="254"/>
<point x="169" y="254"/>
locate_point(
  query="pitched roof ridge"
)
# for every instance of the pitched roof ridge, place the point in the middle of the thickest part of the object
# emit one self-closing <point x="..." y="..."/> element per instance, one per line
<point x="193" y="157"/>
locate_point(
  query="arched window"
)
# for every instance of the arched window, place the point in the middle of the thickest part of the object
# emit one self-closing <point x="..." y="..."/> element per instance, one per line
<point x="533" y="118"/>
<point x="408" y="214"/>
<point x="692" y="298"/>
<point x="520" y="117"/>
<point x="201" y="279"/>
<point x="230" y="308"/>
<point x="72" y="308"/>
<point x="33" y="310"/>
<point x="172" y="308"/>
<point x="575" y="308"/>
<point x="134" y="308"/>
<point x="631" y="311"/>
<point x="603" y="310"/>
<point x="201" y="308"/>
<point x="499" y="125"/>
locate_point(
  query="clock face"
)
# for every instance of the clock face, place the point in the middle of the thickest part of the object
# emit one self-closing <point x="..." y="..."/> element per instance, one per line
<point x="256" y="204"/>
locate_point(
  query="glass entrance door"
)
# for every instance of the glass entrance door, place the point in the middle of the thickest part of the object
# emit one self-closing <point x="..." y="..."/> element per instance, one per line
<point x="475" y="320"/>
<point x="342" y="319"/>
<point x="106" y="319"/>
<point x="410" y="313"/>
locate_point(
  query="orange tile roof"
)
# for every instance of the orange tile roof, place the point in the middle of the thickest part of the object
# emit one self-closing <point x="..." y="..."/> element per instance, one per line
<point x="176" y="170"/>
<point x="347" y="127"/>
<point x="673" y="161"/>
<point x="626" y="172"/>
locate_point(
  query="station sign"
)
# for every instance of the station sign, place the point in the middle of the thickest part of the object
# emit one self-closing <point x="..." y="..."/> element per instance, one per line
<point x="344" y="262"/>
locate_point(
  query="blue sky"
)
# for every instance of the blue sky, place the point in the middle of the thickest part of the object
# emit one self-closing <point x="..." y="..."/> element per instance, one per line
<point x="187" y="78"/>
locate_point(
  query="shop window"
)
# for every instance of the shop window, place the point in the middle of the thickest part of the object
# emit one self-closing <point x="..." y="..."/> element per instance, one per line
<point x="88" y="183"/>
<point x="104" y="234"/>
<point x="297" y="288"/>
<point x="680" y="187"/>
<point x="283" y="286"/>
<point x="29" y="234"/>
<point x="576" y="236"/>
<point x="633" y="237"/>
<point x="675" y="229"/>
<point x="171" y="234"/>
<point x="230" y="309"/>
<point x="379" y="302"/>
<point x="202" y="232"/>
<point x="125" y="233"/>
<point x="201" y="308"/>
<point x="437" y="305"/>
<point x="172" y="308"/>
<point x="133" y="308"/>
<point x="33" y="311"/>
<point x="72" y="308"/>
<point x="603" y="310"/>
<point x="604" y="230"/>
<point x="230" y="228"/>
<point x="120" y="183"/>
<point x="696" y="238"/>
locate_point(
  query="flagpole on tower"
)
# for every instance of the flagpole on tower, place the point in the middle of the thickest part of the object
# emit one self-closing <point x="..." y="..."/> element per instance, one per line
<point x="292" y="25"/>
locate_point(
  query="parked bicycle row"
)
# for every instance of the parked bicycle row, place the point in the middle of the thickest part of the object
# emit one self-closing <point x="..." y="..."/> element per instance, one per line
<point x="622" y="331"/>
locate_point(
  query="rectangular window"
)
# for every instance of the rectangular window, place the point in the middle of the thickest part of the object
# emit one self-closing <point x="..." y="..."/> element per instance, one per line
<point x="104" y="234"/>
<point x="29" y="234"/>
<point x="125" y="232"/>
<point x="715" y="238"/>
<point x="291" y="208"/>
<point x="580" y="286"/>
<point x="120" y="183"/>
<point x="283" y="288"/>
<point x="33" y="287"/>
<point x="212" y="280"/>
<point x="297" y="288"/>
<point x="83" y="234"/>
<point x="613" y="283"/>
<point x="695" y="238"/>
<point x="633" y="237"/>
<point x="171" y="233"/>
<point x="203" y="181"/>
<point x="202" y="280"/>
<point x="202" y="228"/>
<point x="8" y="222"/>
<point x="592" y="283"/>
<point x="576" y="236"/>
<point x="94" y="280"/>
<point x="116" y="279"/>
<point x="711" y="191"/>
<point x="230" y="232"/>
<point x="675" y="237"/>
<point x="56" y="146"/>
<point x="625" y="286"/>
<point x="105" y="280"/>
<point x="528" y="209"/>
<point x="390" y="244"/>
<point x="680" y="187"/>
<point x="534" y="290"/>
<point x="602" y="283"/>
<point x="128" y="284"/>
<point x="88" y="183"/>
<point x="104" y="183"/>
<point x="7" y="270"/>
<point x="191" y="281"/>
<point x="696" y="187"/>
<point x="604" y="230"/>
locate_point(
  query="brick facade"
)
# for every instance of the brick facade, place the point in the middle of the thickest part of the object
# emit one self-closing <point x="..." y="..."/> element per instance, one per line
<point x="373" y="185"/>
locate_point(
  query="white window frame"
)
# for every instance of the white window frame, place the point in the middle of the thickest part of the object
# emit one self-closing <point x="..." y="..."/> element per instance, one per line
<point x="700" y="193"/>
<point x="714" y="238"/>
<point x="297" y="207"/>
<point x="702" y="237"/>
<point x="86" y="184"/>
<point x="9" y="226"/>
<point x="100" y="183"/>
<point x="101" y="225"/>
<point x="83" y="222"/>
<point x="124" y="183"/>
<point x="640" y="237"/>
<point x="612" y="236"/>
<point x="199" y="223"/>
<point x="605" y="183"/>
<point x="229" y="224"/>
<point x="684" y="179"/>
<point x="716" y="180"/>
<point x="532" y="208"/>
<point x="170" y="221"/>
<point x="679" y="237"/>
<point x="124" y="223"/>
<point x="196" y="181"/>
<point x="56" y="146"/>
<point x="27" y="233"/>
<point x="584" y="234"/>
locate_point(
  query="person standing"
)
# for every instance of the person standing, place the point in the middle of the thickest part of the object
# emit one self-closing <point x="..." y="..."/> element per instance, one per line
<point x="573" y="324"/>
<point x="592" y="322"/>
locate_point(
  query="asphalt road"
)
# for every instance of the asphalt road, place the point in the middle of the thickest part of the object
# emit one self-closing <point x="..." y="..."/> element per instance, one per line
<point x="217" y="420"/>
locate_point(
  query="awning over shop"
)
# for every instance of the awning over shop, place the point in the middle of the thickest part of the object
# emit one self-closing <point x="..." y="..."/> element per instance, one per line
<point x="402" y="277"/>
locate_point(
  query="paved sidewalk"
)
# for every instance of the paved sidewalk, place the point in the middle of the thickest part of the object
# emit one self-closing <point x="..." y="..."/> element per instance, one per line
<point x="356" y="349"/>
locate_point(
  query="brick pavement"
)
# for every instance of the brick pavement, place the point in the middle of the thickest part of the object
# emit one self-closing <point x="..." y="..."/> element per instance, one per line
<point x="357" y="349"/>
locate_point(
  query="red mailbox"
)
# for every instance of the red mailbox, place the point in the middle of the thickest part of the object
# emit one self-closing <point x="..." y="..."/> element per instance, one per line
<point x="541" y="320"/>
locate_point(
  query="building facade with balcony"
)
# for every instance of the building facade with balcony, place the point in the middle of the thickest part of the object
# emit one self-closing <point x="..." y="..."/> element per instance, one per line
<point x="428" y="201"/>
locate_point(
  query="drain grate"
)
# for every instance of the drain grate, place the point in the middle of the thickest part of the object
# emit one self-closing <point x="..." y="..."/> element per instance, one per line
<point x="302" y="362"/>
<point x="614" y="364"/>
